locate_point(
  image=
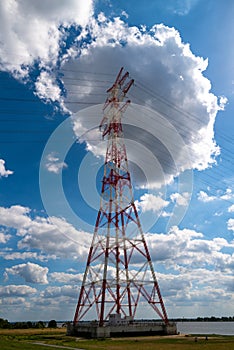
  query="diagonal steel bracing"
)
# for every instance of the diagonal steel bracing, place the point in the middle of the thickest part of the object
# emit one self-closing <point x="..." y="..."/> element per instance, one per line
<point x="119" y="272"/>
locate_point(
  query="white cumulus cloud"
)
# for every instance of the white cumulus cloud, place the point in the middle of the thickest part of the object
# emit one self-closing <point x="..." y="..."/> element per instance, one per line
<point x="16" y="290"/>
<point x="181" y="249"/>
<point x="180" y="198"/>
<point x="230" y="224"/>
<point x="53" y="236"/>
<point x="47" y="87"/>
<point x="227" y="195"/>
<point x="63" y="291"/>
<point x="27" y="256"/>
<point x="64" y="277"/>
<point x="31" y="273"/>
<point x="54" y="165"/>
<point x="150" y="202"/>
<point x="3" y="171"/>
<point x="32" y="30"/>
<point x="204" y="197"/>
<point x="231" y="209"/>
<point x="16" y="217"/>
<point x="4" y="237"/>
<point x="168" y="79"/>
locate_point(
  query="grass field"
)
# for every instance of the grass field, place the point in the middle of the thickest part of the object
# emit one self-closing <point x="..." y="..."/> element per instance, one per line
<point x="56" y="338"/>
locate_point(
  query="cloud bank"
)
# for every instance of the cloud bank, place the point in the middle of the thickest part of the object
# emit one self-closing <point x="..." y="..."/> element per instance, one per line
<point x="57" y="238"/>
<point x="189" y="266"/>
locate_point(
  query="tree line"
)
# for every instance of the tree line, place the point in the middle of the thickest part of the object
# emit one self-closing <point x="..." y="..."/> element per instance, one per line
<point x="205" y="319"/>
<point x="5" y="324"/>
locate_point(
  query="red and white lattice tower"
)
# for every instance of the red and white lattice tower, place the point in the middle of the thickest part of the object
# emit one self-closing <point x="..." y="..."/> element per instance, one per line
<point x="119" y="274"/>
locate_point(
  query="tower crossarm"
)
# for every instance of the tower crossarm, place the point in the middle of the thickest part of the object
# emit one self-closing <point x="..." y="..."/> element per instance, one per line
<point x="119" y="89"/>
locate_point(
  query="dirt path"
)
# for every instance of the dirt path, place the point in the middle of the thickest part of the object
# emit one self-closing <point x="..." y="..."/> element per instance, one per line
<point x="56" y="346"/>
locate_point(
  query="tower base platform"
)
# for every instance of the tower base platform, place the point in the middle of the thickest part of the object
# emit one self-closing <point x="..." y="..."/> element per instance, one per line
<point x="121" y="328"/>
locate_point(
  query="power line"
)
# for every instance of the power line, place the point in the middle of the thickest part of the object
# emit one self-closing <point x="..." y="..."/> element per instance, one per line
<point x="140" y="86"/>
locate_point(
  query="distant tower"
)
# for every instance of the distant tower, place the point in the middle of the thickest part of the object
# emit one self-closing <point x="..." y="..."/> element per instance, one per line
<point x="119" y="273"/>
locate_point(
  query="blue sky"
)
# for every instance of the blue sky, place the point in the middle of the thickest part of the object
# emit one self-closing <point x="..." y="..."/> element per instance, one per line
<point x="57" y="60"/>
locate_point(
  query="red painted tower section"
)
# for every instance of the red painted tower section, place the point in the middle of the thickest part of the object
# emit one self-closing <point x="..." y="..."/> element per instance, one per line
<point x="119" y="273"/>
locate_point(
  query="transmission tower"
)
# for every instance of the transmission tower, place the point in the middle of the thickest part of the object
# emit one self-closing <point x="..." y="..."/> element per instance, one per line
<point x="119" y="273"/>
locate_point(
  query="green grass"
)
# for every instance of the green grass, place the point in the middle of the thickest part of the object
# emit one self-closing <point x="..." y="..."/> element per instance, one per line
<point x="26" y="339"/>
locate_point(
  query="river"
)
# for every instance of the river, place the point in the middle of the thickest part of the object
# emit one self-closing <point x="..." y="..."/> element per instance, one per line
<point x="222" y="328"/>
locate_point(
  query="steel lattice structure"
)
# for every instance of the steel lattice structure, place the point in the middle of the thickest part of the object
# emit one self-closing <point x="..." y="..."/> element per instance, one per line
<point x="119" y="272"/>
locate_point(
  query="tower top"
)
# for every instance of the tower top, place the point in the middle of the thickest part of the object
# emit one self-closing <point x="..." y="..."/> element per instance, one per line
<point x="113" y="108"/>
<point x="119" y="89"/>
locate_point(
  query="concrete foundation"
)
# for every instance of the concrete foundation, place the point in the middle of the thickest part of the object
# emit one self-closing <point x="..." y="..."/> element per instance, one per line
<point x="117" y="327"/>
